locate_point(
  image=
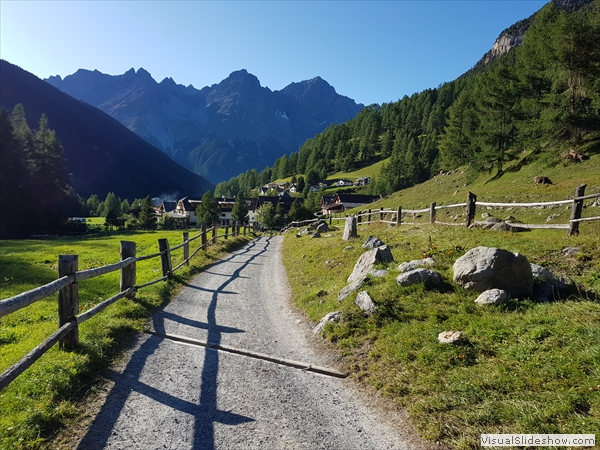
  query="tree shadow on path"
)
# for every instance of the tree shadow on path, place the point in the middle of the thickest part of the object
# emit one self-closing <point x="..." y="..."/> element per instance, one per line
<point x="205" y="412"/>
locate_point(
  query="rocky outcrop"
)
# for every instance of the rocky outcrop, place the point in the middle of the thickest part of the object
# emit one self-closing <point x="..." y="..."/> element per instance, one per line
<point x="416" y="263"/>
<point x="330" y="317"/>
<point x="492" y="297"/>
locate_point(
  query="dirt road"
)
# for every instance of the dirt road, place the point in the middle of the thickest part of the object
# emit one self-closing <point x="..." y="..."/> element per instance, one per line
<point x="183" y="396"/>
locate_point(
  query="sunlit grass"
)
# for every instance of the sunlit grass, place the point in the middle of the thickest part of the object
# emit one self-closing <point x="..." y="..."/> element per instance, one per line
<point x="524" y="367"/>
<point x="45" y="398"/>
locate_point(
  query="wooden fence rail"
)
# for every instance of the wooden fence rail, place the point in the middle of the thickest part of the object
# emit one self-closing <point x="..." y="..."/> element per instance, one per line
<point x="394" y="216"/>
<point x="68" y="297"/>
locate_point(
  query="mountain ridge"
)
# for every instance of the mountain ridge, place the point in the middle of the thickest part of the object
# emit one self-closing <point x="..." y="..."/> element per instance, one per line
<point x="220" y="130"/>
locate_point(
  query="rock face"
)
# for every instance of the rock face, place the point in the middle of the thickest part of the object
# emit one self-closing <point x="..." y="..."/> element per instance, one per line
<point x="492" y="297"/>
<point x="484" y="268"/>
<point x="349" y="289"/>
<point x="365" y="303"/>
<point x="367" y="260"/>
<point x="218" y="131"/>
<point x="428" y="277"/>
<point x="350" y="229"/>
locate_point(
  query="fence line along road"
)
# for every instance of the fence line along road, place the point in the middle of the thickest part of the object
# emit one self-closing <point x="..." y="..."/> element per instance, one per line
<point x="394" y="217"/>
<point x="68" y="296"/>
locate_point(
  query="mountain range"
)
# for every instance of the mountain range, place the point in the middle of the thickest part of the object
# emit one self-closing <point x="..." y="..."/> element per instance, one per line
<point x="218" y="131"/>
<point x="102" y="155"/>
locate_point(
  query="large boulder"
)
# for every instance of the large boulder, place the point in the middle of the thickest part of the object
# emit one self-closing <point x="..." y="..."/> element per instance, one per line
<point x="484" y="268"/>
<point x="350" y="229"/>
<point x="367" y="261"/>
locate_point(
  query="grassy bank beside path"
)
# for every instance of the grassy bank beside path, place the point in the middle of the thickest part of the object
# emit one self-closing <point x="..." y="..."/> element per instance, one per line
<point x="49" y="395"/>
<point x="523" y="367"/>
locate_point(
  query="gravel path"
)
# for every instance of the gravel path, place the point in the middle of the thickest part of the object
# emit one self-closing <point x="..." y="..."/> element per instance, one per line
<point x="180" y="396"/>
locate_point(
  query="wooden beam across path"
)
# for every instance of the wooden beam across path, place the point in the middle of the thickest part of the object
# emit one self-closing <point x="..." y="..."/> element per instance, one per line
<point x="256" y="355"/>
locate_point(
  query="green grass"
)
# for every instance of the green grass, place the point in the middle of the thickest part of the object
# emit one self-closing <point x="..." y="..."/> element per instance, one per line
<point x="524" y="367"/>
<point x="48" y="395"/>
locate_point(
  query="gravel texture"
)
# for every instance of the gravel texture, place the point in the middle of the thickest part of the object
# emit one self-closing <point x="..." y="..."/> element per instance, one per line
<point x="180" y="396"/>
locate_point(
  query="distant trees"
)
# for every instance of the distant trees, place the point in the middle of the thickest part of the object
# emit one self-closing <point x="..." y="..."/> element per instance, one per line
<point x="33" y="177"/>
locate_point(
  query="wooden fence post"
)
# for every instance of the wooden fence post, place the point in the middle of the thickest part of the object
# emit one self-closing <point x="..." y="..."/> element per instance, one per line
<point x="68" y="301"/>
<point x="226" y="231"/>
<point x="471" y="204"/>
<point x="215" y="232"/>
<point x="399" y="216"/>
<point x="576" y="210"/>
<point x="165" y="257"/>
<point x="245" y="229"/>
<point x="358" y="217"/>
<point x="432" y="212"/>
<point x="204" y="237"/>
<point x="369" y="217"/>
<point x="186" y="247"/>
<point x="380" y="214"/>
<point x="128" y="274"/>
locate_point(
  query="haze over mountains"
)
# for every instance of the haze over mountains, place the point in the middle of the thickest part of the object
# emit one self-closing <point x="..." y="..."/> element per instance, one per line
<point x="102" y="155"/>
<point x="218" y="131"/>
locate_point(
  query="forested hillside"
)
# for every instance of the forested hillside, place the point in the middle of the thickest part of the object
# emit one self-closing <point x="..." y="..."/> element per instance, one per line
<point x="539" y="100"/>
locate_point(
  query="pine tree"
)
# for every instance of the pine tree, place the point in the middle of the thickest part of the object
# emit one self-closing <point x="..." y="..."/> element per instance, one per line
<point x="208" y="211"/>
<point x="147" y="218"/>
<point x="239" y="213"/>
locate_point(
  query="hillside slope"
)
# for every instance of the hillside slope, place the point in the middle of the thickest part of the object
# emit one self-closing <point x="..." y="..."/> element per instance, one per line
<point x="102" y="155"/>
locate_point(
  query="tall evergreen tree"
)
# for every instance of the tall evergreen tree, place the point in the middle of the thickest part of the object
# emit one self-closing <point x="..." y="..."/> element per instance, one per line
<point x="239" y="213"/>
<point x="208" y="211"/>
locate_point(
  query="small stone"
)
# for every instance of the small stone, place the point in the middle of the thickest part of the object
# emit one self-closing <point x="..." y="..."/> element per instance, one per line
<point x="449" y="337"/>
<point x="492" y="297"/>
<point x="330" y="317"/>
<point x="365" y="303"/>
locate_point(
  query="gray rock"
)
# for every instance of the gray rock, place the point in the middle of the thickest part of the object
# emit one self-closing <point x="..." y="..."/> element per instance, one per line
<point x="449" y="337"/>
<point x="493" y="220"/>
<point x="323" y="227"/>
<point x="554" y="289"/>
<point x="349" y="247"/>
<point x="350" y="288"/>
<point x="425" y="276"/>
<point x="540" y="273"/>
<point x="484" y="268"/>
<point x="378" y="273"/>
<point x="503" y="226"/>
<point x="492" y="297"/>
<point x="415" y="263"/>
<point x="365" y="303"/>
<point x="330" y="317"/>
<point x="316" y="224"/>
<point x="373" y="242"/>
<point x="350" y="229"/>
<point x="570" y="251"/>
<point x="367" y="261"/>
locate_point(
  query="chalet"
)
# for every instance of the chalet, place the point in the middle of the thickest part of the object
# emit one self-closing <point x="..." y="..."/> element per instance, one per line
<point x="362" y="181"/>
<point x="186" y="207"/>
<point x="343" y="182"/>
<point x="226" y="207"/>
<point x="342" y="202"/>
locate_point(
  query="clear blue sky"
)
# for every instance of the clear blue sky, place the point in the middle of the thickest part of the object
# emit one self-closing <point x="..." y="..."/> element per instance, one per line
<point x="371" y="51"/>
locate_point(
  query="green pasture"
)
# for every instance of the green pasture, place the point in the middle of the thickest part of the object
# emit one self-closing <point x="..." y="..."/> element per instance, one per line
<point x="48" y="395"/>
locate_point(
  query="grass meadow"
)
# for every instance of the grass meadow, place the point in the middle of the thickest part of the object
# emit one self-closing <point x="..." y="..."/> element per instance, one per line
<point x="51" y="394"/>
<point x="524" y="366"/>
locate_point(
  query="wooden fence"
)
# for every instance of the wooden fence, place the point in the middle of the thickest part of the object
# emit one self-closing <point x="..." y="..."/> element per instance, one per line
<point x="68" y="297"/>
<point x="394" y="216"/>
